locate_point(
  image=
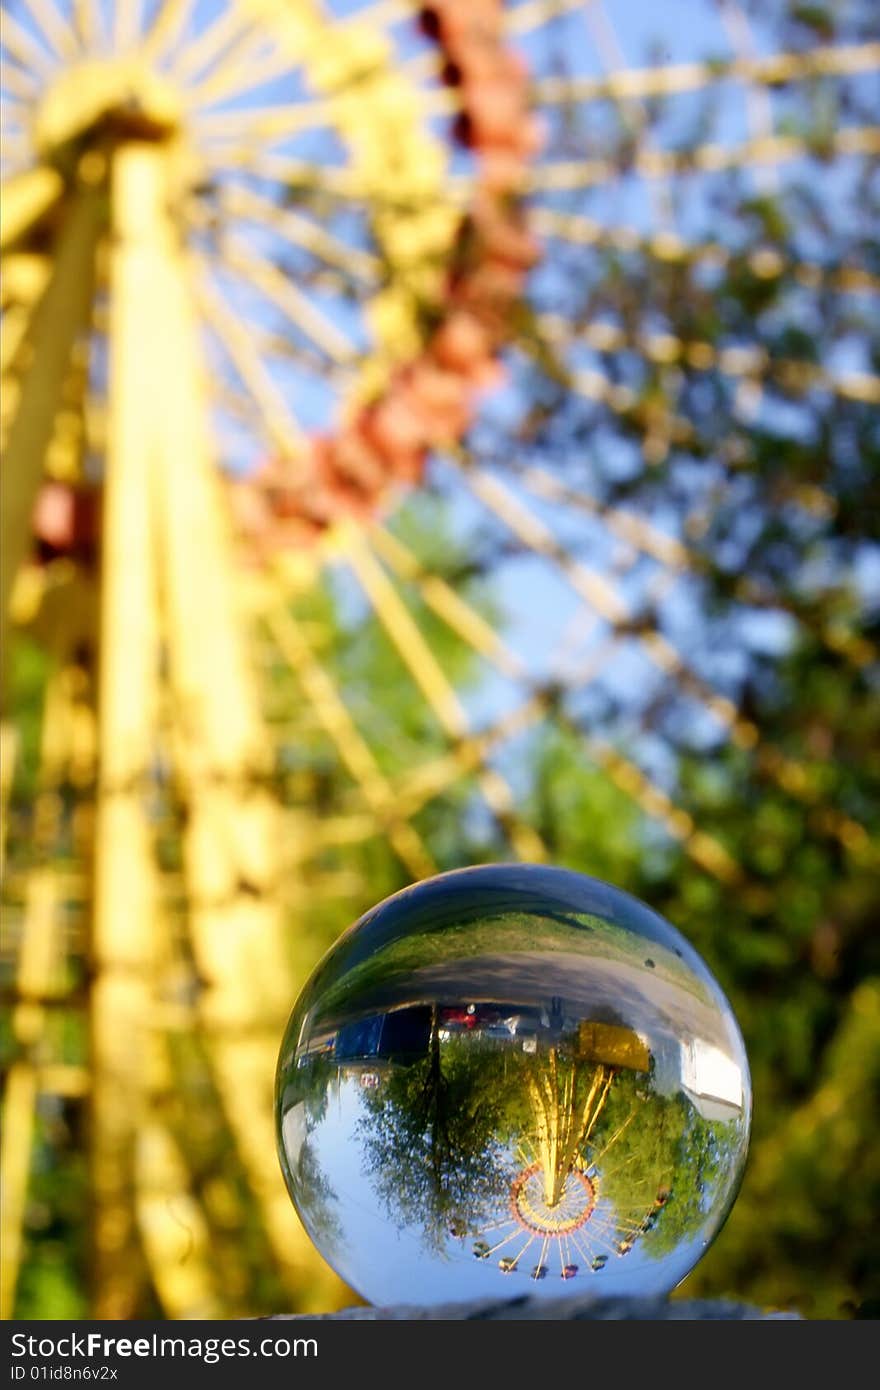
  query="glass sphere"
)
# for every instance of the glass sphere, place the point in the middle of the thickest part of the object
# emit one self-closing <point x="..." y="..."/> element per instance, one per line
<point x="512" y="1078"/>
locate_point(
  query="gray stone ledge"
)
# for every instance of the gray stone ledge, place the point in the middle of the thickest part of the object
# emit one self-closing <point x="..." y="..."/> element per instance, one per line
<point x="556" y="1309"/>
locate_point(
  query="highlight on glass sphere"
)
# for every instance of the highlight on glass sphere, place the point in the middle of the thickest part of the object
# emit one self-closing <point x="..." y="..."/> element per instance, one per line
<point x="512" y="1079"/>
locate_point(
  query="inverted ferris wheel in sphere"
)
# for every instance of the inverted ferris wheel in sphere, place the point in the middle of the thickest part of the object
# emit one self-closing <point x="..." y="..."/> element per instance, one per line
<point x="262" y="264"/>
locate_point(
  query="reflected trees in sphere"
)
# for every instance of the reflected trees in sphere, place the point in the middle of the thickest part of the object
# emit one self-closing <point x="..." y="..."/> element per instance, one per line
<point x="512" y="1072"/>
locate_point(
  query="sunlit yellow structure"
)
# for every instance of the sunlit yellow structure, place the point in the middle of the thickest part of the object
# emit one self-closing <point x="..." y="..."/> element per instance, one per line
<point x="121" y="214"/>
<point x="150" y="647"/>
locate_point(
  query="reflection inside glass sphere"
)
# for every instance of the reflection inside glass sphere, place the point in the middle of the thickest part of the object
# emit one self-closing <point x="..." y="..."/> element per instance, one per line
<point x="512" y="1072"/>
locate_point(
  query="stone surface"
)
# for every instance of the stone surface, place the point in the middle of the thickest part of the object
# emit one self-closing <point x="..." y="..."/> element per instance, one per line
<point x="559" y="1310"/>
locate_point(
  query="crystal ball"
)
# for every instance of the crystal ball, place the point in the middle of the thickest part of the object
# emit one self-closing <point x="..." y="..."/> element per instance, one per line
<point x="512" y="1078"/>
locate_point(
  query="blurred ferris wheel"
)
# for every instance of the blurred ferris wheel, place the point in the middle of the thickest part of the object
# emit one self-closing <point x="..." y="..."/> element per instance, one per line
<point x="292" y="297"/>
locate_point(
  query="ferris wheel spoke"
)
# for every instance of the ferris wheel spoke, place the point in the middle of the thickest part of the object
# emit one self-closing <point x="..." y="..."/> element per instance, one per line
<point x="379" y="14"/>
<point x="302" y="232"/>
<point x="758" y="101"/>
<point x="577" y="676"/>
<point x="633" y="117"/>
<point x="534" y="14"/>
<point x="516" y="1234"/>
<point x="525" y="841"/>
<point x="796" y="377"/>
<point x="471" y="756"/>
<point x="652" y="800"/>
<point x="308" y="843"/>
<point x="237" y="76"/>
<point x="21" y="87"/>
<point x="425" y="66"/>
<point x="770" y="762"/>
<point x="406" y="636"/>
<point x="283" y="294"/>
<point x="671" y="248"/>
<point x="707" y="158"/>
<point x="208" y="46"/>
<point x="662" y="430"/>
<point x="449" y="605"/>
<point x="599" y="1235"/>
<point x="428" y="675"/>
<point x="166" y="28"/>
<point x="333" y="715"/>
<point x="13" y="112"/>
<point x="280" y="351"/>
<point x="88" y="22"/>
<point x="57" y="32"/>
<point x="270" y="124"/>
<point x="127" y="24"/>
<point x="658" y="432"/>
<point x="628" y="526"/>
<point x="244" y="66"/>
<point x="238" y="347"/>
<point x="24" y="48"/>
<point x="705" y="850"/>
<point x="636" y="84"/>
<point x="433" y="778"/>
<point x="330" y="184"/>
<point x="588" y="583"/>
<point x="15" y="152"/>
<point x="282" y="356"/>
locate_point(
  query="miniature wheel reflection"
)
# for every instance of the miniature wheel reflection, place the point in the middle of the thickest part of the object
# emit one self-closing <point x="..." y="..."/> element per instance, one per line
<point x="565" y="1207"/>
<point x="541" y="1105"/>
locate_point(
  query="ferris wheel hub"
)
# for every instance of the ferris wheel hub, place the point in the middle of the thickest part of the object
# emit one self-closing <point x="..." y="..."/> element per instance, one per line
<point x="105" y="101"/>
<point x="559" y="1213"/>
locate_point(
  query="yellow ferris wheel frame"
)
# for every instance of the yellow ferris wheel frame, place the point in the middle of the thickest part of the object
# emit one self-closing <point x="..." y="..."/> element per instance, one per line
<point x="115" y="167"/>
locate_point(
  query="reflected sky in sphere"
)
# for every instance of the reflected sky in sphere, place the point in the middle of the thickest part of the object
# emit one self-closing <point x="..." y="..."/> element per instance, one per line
<point x="512" y="1079"/>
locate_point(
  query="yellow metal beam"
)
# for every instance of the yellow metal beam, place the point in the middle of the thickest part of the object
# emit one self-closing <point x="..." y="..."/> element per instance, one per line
<point x="459" y="615"/>
<point x="237" y="343"/>
<point x="19" y="1108"/>
<point x="176" y="1237"/>
<point x="125" y="890"/>
<point x="35" y="975"/>
<point x="279" y="290"/>
<point x="428" y="674"/>
<point x="9" y="740"/>
<point x="59" y="317"/>
<point x="777" y="69"/>
<point x="302" y="231"/>
<point x="166" y="28"/>
<point x="406" y="635"/>
<point x="752" y="363"/>
<point x="206" y="47"/>
<point x="354" y="751"/>
<point x="55" y="28"/>
<point x="533" y="14"/>
<point x="223" y="759"/>
<point x="710" y="158"/>
<point x="26" y="198"/>
<point x="32" y="56"/>
<point x="764" y="263"/>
